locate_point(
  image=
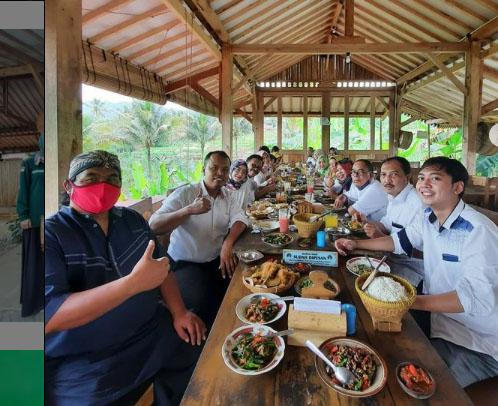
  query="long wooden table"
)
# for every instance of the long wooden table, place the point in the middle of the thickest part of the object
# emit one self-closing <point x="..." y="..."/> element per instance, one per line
<point x="295" y="380"/>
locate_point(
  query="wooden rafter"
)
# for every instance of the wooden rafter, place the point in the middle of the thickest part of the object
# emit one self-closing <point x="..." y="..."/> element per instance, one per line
<point x="486" y="30"/>
<point x="427" y="80"/>
<point x="269" y="102"/>
<point x="349" y="17"/>
<point x="127" y="24"/>
<point x="212" y="19"/>
<point x="436" y="60"/>
<point x="159" y="44"/>
<point x="177" y="8"/>
<point x="135" y="40"/>
<point x="199" y="67"/>
<point x="100" y="11"/>
<point x="19" y="55"/>
<point x="490" y="73"/>
<point x="353" y="48"/>
<point x="181" y="60"/>
<point x="182" y="49"/>
<point x="16" y="71"/>
<point x="183" y="83"/>
<point x="204" y="93"/>
<point x="487" y="108"/>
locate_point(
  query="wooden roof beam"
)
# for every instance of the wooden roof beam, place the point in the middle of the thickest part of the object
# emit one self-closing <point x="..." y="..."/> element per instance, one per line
<point x="349" y="17"/>
<point x="436" y="60"/>
<point x="490" y="73"/>
<point x="427" y="80"/>
<point x="17" y="71"/>
<point x="353" y="48"/>
<point x="185" y="82"/>
<point x="489" y="107"/>
<point x="204" y="93"/>
<point x="144" y="36"/>
<point x="186" y="17"/>
<point x="486" y="31"/>
<point x="100" y="11"/>
<point x="127" y="23"/>
<point x="212" y="19"/>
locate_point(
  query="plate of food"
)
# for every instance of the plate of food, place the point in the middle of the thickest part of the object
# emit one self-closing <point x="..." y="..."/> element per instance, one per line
<point x="266" y="226"/>
<point x="277" y="240"/>
<point x="269" y="277"/>
<point x="259" y="214"/>
<point x="307" y="282"/>
<point x="260" y="308"/>
<point x="301" y="268"/>
<point x="249" y="256"/>
<point x="359" y="265"/>
<point x="415" y="380"/>
<point x="248" y="350"/>
<point x="368" y="367"/>
<point x="355" y="227"/>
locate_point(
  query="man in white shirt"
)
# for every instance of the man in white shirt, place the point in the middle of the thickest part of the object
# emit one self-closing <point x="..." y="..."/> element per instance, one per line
<point x="366" y="197"/>
<point x="205" y="221"/>
<point x="404" y="205"/>
<point x="460" y="270"/>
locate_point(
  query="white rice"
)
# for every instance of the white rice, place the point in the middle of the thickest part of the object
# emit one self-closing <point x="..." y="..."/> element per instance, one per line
<point x="386" y="289"/>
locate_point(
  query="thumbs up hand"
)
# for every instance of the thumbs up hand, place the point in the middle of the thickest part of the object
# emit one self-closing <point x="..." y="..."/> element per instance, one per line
<point x="200" y="205"/>
<point x="148" y="273"/>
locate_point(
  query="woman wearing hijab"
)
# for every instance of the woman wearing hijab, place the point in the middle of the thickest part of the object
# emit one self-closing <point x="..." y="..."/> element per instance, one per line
<point x="238" y="174"/>
<point x="322" y="167"/>
<point x="343" y="179"/>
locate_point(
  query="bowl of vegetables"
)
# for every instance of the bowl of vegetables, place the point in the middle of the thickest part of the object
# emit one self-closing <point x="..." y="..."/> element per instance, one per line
<point x="415" y="380"/>
<point x="260" y="308"/>
<point x="359" y="265"/>
<point x="367" y="366"/>
<point x="249" y="350"/>
<point x="277" y="240"/>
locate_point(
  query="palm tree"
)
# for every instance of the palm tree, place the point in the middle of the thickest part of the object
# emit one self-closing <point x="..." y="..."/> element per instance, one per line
<point x="145" y="125"/>
<point x="202" y="129"/>
<point x="241" y="127"/>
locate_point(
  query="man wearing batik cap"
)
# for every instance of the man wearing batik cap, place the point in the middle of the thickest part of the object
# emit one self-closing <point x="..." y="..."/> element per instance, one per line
<point x="108" y="334"/>
<point x="30" y="205"/>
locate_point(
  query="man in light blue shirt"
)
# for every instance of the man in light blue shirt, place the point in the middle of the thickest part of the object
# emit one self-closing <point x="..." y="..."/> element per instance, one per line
<point x="404" y="205"/>
<point x="460" y="270"/>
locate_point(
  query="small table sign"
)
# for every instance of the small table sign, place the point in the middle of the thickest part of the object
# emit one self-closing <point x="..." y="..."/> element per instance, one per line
<point x="317" y="258"/>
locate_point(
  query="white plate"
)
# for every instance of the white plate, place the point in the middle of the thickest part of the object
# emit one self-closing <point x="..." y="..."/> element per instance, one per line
<point x="351" y="263"/>
<point x="241" y="307"/>
<point x="231" y="341"/>
<point x="267" y="225"/>
<point x="249" y="256"/>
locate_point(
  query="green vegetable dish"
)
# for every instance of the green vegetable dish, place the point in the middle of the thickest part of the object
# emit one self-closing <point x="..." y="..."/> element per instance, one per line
<point x="277" y="239"/>
<point x="360" y="269"/>
<point x="254" y="352"/>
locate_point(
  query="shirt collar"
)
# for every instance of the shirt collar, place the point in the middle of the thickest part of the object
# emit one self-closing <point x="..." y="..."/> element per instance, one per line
<point x="205" y="193"/>
<point x="364" y="186"/>
<point x="451" y="218"/>
<point x="114" y="212"/>
<point x="401" y="197"/>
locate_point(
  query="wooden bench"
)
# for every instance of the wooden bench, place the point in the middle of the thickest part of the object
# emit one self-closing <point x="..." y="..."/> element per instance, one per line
<point x="482" y="191"/>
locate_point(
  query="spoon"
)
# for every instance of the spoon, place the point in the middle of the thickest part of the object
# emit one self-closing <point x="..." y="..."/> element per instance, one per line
<point x="281" y="333"/>
<point x="285" y="298"/>
<point x="369" y="262"/>
<point x="372" y="275"/>
<point x="343" y="375"/>
<point x="316" y="218"/>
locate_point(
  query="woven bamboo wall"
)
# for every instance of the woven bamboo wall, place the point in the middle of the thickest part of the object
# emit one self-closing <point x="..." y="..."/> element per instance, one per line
<point x="9" y="182"/>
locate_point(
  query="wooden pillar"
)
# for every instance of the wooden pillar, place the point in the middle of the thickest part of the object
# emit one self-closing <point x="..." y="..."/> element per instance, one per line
<point x="392" y="119"/>
<point x="305" y="123"/>
<point x="472" y="106"/>
<point x="63" y="136"/>
<point x="326" y="126"/>
<point x="372" y="123"/>
<point x="259" y="120"/>
<point x="346" y="123"/>
<point x="349" y="18"/>
<point x="226" y="98"/>
<point x="279" y="122"/>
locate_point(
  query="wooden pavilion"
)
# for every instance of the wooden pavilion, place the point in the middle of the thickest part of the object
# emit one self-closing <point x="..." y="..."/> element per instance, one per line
<point x="21" y="99"/>
<point x="432" y="60"/>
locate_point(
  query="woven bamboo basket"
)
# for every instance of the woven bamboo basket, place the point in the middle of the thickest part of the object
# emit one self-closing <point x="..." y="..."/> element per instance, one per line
<point x="386" y="316"/>
<point x="306" y="229"/>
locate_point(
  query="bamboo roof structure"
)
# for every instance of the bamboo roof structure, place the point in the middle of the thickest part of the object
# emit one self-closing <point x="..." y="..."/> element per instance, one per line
<point x="179" y="42"/>
<point x="21" y="88"/>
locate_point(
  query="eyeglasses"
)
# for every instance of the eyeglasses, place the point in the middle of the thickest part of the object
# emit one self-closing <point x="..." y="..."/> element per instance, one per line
<point x="359" y="172"/>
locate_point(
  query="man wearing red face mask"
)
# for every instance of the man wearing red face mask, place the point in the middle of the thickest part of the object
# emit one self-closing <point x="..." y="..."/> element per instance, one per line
<point x="109" y="333"/>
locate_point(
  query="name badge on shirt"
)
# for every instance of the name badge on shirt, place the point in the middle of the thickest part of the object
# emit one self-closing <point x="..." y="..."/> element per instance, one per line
<point x="450" y="258"/>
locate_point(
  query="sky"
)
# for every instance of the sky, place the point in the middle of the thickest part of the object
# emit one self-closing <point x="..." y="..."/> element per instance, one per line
<point x="90" y="92"/>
